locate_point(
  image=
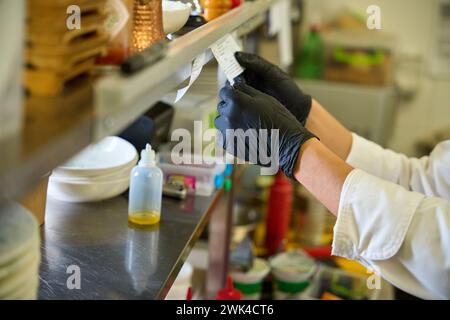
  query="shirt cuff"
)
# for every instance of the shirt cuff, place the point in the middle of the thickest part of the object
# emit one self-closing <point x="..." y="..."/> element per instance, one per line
<point x="373" y="217"/>
<point x="360" y="151"/>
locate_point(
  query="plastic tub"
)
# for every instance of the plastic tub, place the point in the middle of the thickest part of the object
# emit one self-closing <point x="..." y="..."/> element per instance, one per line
<point x="341" y="284"/>
<point x="205" y="177"/>
<point x="250" y="283"/>
<point x="292" y="273"/>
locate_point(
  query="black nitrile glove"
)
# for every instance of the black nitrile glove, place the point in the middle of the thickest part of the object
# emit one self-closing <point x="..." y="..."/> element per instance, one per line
<point x="243" y="107"/>
<point x="270" y="79"/>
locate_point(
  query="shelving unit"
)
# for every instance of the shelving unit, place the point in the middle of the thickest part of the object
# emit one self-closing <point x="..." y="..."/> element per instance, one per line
<point x="55" y="129"/>
<point x="116" y="260"/>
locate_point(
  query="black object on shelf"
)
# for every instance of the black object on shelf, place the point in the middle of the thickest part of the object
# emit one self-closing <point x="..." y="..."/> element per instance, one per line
<point x="140" y="60"/>
<point x="162" y="115"/>
<point x="139" y="133"/>
<point x="153" y="127"/>
<point x="193" y="23"/>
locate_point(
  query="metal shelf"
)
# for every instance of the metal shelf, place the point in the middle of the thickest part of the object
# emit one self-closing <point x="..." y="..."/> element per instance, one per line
<point x="56" y="129"/>
<point x="120" y="99"/>
<point x="115" y="259"/>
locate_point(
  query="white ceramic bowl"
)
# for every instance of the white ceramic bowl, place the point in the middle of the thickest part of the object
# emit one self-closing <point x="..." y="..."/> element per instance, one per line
<point x="117" y="175"/>
<point x="175" y="15"/>
<point x="87" y="191"/>
<point x="107" y="156"/>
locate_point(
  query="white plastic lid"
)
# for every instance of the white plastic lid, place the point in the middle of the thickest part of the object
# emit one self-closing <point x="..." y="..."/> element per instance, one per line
<point x="147" y="157"/>
<point x="293" y="265"/>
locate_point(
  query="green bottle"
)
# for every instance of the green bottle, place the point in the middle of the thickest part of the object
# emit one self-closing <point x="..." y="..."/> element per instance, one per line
<point x="310" y="60"/>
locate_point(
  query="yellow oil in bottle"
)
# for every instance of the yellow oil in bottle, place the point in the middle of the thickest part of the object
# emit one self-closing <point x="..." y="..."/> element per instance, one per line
<point x="144" y="217"/>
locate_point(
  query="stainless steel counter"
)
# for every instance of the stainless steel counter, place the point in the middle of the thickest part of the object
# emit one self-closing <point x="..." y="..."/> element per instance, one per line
<point x="117" y="260"/>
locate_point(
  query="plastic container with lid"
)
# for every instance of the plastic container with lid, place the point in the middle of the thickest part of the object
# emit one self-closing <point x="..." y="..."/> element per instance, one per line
<point x="292" y="273"/>
<point x="208" y="175"/>
<point x="341" y="284"/>
<point x="249" y="283"/>
<point x="145" y="197"/>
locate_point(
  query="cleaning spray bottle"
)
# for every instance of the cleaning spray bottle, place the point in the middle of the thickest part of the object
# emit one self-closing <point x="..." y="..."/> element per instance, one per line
<point x="144" y="206"/>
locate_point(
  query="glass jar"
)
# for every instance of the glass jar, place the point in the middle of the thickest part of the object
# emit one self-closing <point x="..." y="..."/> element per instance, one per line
<point x="119" y="25"/>
<point x="148" y="24"/>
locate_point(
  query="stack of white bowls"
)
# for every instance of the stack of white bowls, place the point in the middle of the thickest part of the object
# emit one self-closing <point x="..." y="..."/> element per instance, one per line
<point x="19" y="254"/>
<point x="99" y="172"/>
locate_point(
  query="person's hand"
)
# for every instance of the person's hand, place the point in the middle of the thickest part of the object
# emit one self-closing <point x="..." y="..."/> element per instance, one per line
<point x="273" y="81"/>
<point x="252" y="111"/>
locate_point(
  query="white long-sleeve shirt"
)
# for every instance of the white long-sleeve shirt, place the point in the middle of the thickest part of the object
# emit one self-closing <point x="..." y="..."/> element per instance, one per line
<point x="394" y="217"/>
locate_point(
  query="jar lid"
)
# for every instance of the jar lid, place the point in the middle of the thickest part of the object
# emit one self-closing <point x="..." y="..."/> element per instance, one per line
<point x="292" y="265"/>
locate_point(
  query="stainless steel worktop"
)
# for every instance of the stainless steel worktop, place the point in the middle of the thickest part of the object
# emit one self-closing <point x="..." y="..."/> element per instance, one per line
<point x="117" y="260"/>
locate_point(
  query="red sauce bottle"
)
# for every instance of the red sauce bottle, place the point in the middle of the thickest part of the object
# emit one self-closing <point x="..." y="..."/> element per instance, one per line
<point x="278" y="213"/>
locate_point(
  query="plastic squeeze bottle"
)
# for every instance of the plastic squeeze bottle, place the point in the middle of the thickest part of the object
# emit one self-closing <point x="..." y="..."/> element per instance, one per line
<point x="229" y="292"/>
<point x="144" y="205"/>
<point x="278" y="213"/>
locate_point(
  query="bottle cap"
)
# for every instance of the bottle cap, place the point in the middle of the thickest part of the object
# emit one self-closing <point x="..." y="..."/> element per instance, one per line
<point x="229" y="293"/>
<point x="147" y="157"/>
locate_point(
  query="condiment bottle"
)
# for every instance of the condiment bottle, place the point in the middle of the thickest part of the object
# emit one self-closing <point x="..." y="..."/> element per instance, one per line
<point x="278" y="212"/>
<point x="229" y="292"/>
<point x="148" y="24"/>
<point x="144" y="207"/>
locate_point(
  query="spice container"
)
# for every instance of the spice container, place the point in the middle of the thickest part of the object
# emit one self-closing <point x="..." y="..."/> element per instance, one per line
<point x="57" y="55"/>
<point x="119" y="26"/>
<point x="148" y="25"/>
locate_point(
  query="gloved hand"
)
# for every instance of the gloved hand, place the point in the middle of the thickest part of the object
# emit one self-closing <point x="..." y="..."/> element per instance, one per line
<point x="244" y="107"/>
<point x="273" y="81"/>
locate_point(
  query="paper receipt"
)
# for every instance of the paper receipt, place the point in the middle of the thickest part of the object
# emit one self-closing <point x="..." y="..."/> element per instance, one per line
<point x="223" y="50"/>
<point x="196" y="69"/>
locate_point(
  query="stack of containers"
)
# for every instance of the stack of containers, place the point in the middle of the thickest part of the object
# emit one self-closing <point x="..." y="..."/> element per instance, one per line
<point x="64" y="38"/>
<point x="99" y="172"/>
<point x="19" y="254"/>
